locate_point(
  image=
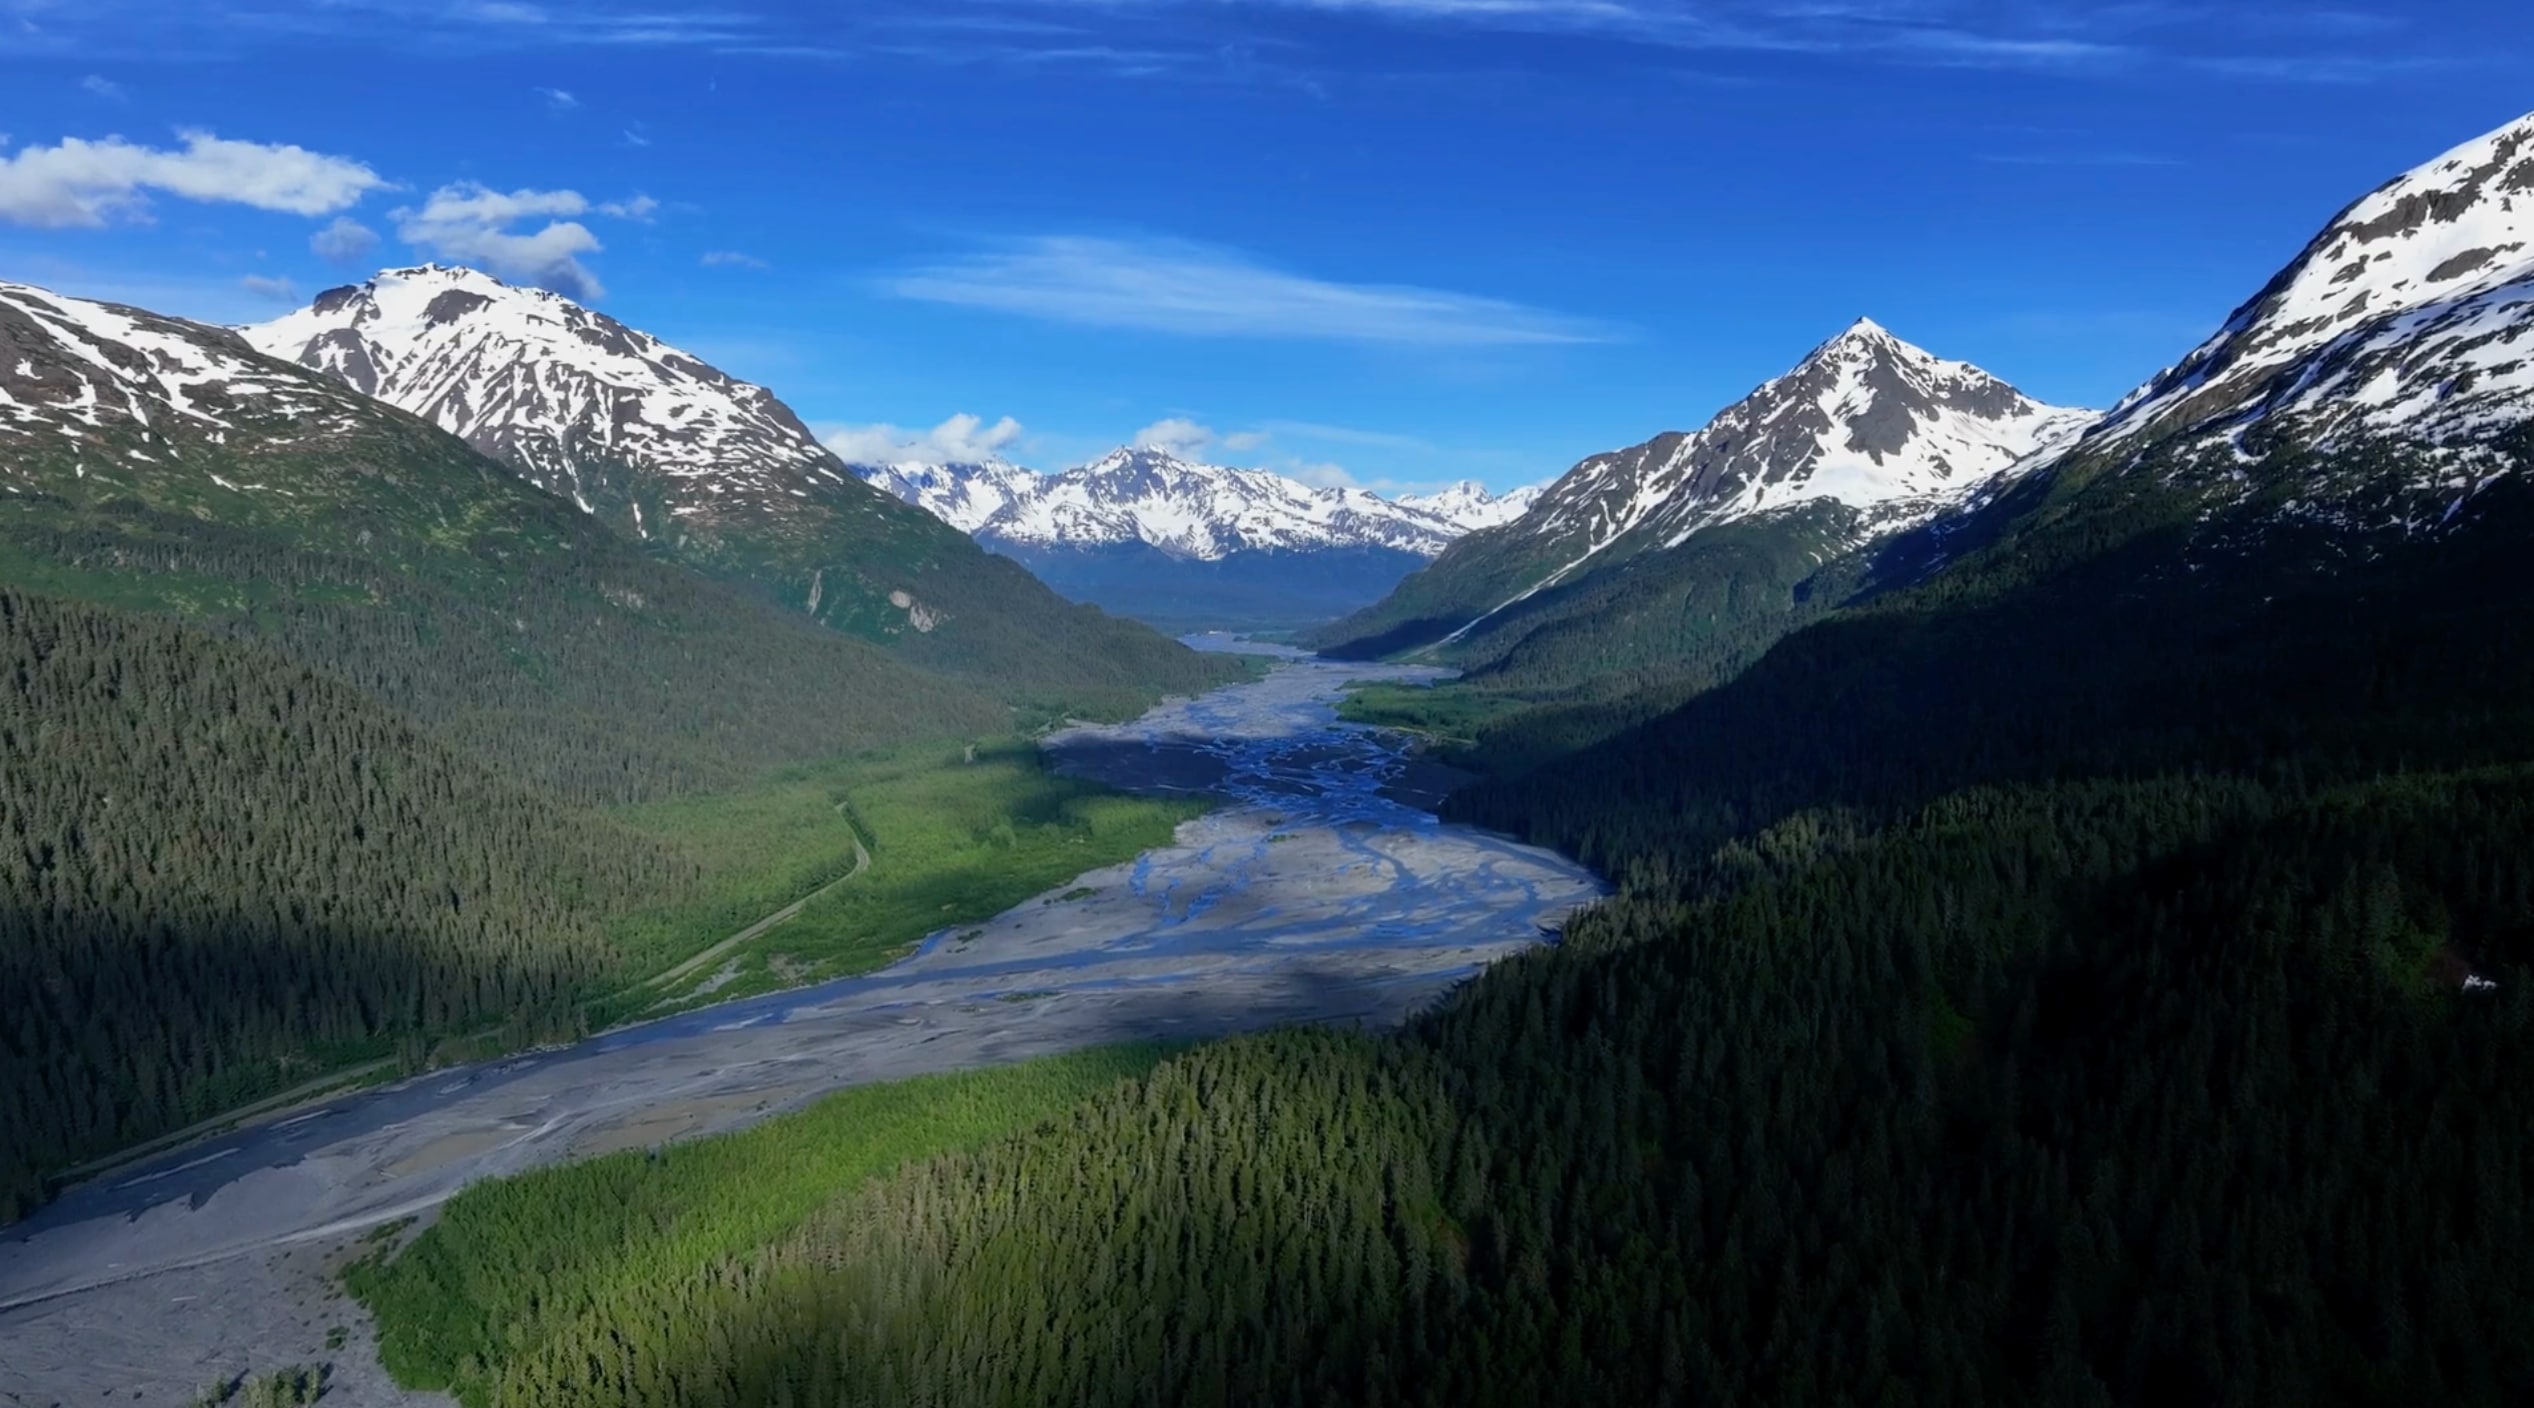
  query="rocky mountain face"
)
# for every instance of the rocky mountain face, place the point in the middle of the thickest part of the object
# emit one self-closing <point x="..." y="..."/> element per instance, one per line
<point x="80" y="378"/>
<point x="664" y="448"/>
<point x="103" y="404"/>
<point x="2411" y="315"/>
<point x="1866" y="421"/>
<point x="613" y="419"/>
<point x="1866" y="437"/>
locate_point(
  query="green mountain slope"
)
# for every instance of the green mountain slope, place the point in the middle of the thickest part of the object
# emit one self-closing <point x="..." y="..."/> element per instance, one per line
<point x="2097" y="968"/>
<point x="2097" y="975"/>
<point x="155" y="464"/>
<point x="224" y="872"/>
<point x="720" y="475"/>
<point x="321" y="723"/>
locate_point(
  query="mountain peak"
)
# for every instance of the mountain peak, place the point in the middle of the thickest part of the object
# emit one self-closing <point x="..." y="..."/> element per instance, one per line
<point x="1866" y="420"/>
<point x="573" y="399"/>
<point x="1471" y="505"/>
<point x="1866" y="340"/>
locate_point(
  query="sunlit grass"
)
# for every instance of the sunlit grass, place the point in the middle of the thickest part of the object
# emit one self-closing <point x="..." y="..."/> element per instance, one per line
<point x="510" y="1261"/>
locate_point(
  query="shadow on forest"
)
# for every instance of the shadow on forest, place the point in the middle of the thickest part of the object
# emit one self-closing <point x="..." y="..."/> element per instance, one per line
<point x="2150" y="656"/>
<point x="124" y="1025"/>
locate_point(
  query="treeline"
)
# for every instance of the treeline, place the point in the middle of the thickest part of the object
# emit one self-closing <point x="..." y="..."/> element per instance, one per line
<point x="2103" y="973"/>
<point x="322" y="770"/>
<point x="1941" y="1119"/>
<point x="597" y="674"/>
<point x="220" y="872"/>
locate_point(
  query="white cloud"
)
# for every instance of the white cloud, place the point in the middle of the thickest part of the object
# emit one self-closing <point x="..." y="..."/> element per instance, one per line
<point x="559" y="99"/>
<point x="1190" y="439"/>
<point x="1319" y="476"/>
<point x="474" y="223"/>
<point x="346" y="241"/>
<point x="962" y="439"/>
<point x="1178" y="436"/>
<point x="105" y="88"/>
<point x="733" y="259"/>
<point x="1173" y="286"/>
<point x="277" y="289"/>
<point x="84" y="184"/>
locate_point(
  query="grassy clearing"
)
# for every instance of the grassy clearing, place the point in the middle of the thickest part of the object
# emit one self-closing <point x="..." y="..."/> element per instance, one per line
<point x="952" y="841"/>
<point x="1450" y="714"/>
<point x="510" y="1262"/>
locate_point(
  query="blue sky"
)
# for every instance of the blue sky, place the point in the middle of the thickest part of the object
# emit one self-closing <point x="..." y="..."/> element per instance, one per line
<point x="1400" y="241"/>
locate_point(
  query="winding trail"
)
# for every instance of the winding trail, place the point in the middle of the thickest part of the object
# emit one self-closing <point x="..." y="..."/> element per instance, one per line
<point x="710" y="956"/>
<point x="1322" y="893"/>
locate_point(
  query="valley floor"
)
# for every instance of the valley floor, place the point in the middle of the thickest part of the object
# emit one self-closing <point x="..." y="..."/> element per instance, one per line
<point x="1317" y="897"/>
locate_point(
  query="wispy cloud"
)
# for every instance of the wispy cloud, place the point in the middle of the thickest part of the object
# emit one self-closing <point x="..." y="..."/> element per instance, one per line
<point x="476" y="224"/>
<point x="1177" y="435"/>
<point x="1196" y="290"/>
<point x="346" y="241"/>
<point x="1223" y="39"/>
<point x="106" y="88"/>
<point x="962" y="439"/>
<point x="559" y="99"/>
<point x="2079" y="158"/>
<point x="732" y="259"/>
<point x="264" y="286"/>
<point x="2241" y="38"/>
<point x="1935" y="33"/>
<point x="81" y="183"/>
<point x="202" y="26"/>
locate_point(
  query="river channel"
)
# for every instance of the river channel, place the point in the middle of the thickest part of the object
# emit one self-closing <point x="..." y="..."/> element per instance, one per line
<point x="1324" y="890"/>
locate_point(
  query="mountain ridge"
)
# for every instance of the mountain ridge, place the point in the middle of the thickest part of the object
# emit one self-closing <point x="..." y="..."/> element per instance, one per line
<point x="1187" y="507"/>
<point x="2438" y="260"/>
<point x="665" y="449"/>
<point x="1185" y="545"/>
<point x="1864" y="439"/>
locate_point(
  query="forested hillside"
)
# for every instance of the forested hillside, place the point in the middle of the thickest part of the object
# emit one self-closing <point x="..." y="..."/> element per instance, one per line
<point x="323" y="730"/>
<point x="221" y="868"/>
<point x="2096" y="974"/>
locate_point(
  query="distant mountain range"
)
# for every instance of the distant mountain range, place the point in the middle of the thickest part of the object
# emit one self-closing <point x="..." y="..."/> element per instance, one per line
<point x="1149" y="534"/>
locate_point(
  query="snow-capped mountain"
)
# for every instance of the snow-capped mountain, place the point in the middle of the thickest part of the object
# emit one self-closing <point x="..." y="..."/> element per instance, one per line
<point x="1866" y="420"/>
<point x="1148" y="534"/>
<point x="1472" y="506"/>
<point x="966" y="496"/>
<point x="659" y="445"/>
<point x="1864" y="438"/>
<point x="2412" y="314"/>
<point x="1189" y="509"/>
<point x="1207" y="512"/>
<point x="72" y="372"/>
<point x="577" y="402"/>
